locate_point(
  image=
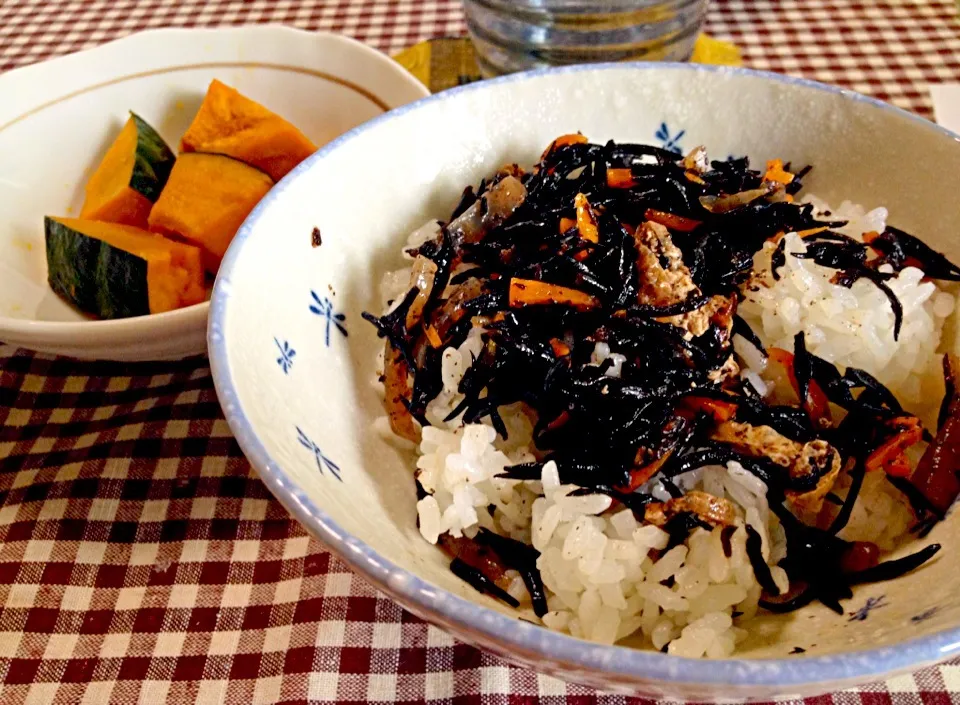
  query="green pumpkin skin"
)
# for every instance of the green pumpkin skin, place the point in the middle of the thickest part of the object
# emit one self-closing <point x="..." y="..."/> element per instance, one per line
<point x="95" y="277"/>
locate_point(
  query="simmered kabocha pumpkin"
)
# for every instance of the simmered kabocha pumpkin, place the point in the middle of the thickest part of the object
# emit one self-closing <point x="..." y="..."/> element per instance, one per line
<point x="152" y="223"/>
<point x="119" y="271"/>
<point x="207" y="198"/>
<point x="130" y="177"/>
<point x="232" y="124"/>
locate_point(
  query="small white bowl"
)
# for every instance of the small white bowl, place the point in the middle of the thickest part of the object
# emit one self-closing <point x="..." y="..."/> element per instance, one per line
<point x="294" y="379"/>
<point x="57" y="117"/>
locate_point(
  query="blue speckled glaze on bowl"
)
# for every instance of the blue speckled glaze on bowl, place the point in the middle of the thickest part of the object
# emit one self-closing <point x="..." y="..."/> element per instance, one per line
<point x="258" y="293"/>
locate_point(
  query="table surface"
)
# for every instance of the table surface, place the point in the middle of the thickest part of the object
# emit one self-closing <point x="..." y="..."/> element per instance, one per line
<point x="142" y="561"/>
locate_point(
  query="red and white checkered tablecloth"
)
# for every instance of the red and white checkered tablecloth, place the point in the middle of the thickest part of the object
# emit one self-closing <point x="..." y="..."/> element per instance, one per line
<point x="142" y="561"/>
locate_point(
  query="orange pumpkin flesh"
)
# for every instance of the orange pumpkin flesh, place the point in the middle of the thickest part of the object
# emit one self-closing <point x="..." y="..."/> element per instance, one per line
<point x="206" y="199"/>
<point x="232" y="124"/>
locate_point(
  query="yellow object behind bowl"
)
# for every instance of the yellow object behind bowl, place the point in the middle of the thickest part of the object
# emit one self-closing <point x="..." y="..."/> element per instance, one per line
<point x="447" y="62"/>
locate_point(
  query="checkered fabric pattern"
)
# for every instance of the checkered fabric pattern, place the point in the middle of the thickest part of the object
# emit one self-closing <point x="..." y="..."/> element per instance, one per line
<point x="142" y="561"/>
<point x="886" y="48"/>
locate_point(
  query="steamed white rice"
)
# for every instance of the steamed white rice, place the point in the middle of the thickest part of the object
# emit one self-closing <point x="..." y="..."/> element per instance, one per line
<point x="604" y="571"/>
<point x="608" y="576"/>
<point x="852" y="327"/>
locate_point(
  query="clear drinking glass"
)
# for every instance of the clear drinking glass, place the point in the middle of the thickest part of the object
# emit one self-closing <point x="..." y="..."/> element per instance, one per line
<point x="514" y="35"/>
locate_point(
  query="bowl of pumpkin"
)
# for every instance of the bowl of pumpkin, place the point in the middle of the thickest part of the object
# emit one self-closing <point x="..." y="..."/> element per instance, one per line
<point x="133" y="165"/>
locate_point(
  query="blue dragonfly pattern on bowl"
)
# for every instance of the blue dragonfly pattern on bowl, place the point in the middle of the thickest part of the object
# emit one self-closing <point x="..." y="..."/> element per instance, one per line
<point x="324" y="308"/>
<point x="871" y="604"/>
<point x="287" y="354"/>
<point x="668" y="141"/>
<point x="924" y="616"/>
<point x="322" y="460"/>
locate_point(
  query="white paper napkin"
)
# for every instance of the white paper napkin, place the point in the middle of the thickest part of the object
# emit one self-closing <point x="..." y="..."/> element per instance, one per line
<point x="946" y="104"/>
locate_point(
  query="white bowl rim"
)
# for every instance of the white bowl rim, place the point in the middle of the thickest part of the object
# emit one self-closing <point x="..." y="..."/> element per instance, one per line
<point x="64" y="330"/>
<point x="511" y="633"/>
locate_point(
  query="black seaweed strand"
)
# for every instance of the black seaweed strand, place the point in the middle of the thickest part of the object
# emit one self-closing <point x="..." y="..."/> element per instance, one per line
<point x="480" y="582"/>
<point x="523" y="559"/>
<point x="888" y="570"/>
<point x="760" y="568"/>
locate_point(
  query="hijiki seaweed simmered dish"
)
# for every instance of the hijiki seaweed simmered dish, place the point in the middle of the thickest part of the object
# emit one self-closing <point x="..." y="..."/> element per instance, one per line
<point x="653" y="394"/>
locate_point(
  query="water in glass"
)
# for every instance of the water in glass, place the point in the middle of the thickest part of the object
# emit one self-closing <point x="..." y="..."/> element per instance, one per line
<point x="514" y="35"/>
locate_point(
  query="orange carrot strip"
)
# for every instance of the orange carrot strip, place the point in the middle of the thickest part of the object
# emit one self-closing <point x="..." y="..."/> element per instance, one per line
<point x="811" y="231"/>
<point x="586" y="220"/>
<point x="899" y="466"/>
<point x="675" y="222"/>
<point x="816" y="404"/>
<point x="908" y="262"/>
<point x="936" y="474"/>
<point x="566" y="224"/>
<point x="563" y="141"/>
<point x="859" y="556"/>
<point x="892" y="448"/>
<point x="530" y="292"/>
<point x="432" y="336"/>
<point x="719" y="409"/>
<point x="572" y="138"/>
<point x="781" y="357"/>
<point x="620" y="178"/>
<point x="775" y="172"/>
<point x="694" y="177"/>
<point x="559" y="421"/>
<point x="638" y="476"/>
<point x="560" y="348"/>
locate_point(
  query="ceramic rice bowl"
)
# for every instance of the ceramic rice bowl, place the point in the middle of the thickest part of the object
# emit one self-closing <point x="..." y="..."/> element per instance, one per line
<point x="293" y="360"/>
